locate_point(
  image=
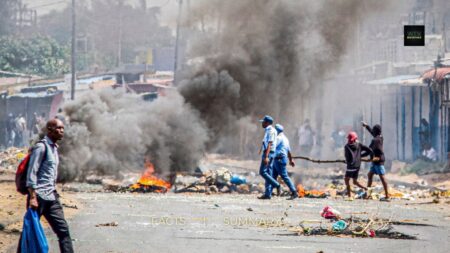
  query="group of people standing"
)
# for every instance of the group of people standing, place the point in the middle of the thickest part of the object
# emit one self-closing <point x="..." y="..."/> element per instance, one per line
<point x="276" y="155"/>
<point x="18" y="131"/>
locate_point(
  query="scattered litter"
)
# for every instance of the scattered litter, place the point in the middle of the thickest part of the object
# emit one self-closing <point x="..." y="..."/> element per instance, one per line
<point x="238" y="180"/>
<point x="10" y="157"/>
<point x="70" y="206"/>
<point x="339" y="226"/>
<point x="110" y="224"/>
<point x="370" y="233"/>
<point x="356" y="227"/>
<point x="330" y="213"/>
<point x="315" y="194"/>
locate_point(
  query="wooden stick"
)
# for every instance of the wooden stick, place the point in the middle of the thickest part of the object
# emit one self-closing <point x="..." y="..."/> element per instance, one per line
<point x="325" y="161"/>
<point x="364" y="229"/>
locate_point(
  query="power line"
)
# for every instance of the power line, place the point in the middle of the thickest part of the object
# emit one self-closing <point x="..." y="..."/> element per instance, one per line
<point x="47" y="4"/>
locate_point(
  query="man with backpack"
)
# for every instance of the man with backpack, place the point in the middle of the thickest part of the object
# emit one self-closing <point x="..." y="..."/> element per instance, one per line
<point x="41" y="177"/>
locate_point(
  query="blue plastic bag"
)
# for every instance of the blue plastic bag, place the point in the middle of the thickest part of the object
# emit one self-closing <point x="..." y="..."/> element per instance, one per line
<point x="237" y="180"/>
<point x="339" y="226"/>
<point x="33" y="237"/>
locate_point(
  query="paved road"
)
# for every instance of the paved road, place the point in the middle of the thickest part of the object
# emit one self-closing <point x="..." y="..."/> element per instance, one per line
<point x="223" y="223"/>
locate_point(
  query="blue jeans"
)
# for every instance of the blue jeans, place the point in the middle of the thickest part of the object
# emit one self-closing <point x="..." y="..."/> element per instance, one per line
<point x="266" y="171"/>
<point x="280" y="169"/>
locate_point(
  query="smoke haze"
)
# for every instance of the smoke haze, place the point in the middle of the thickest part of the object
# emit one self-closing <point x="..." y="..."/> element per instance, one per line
<point x="249" y="59"/>
<point x="111" y="131"/>
<point x="265" y="57"/>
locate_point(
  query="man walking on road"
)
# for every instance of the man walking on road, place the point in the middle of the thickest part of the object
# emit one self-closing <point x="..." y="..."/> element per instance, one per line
<point x="41" y="183"/>
<point x="268" y="155"/>
<point x="378" y="161"/>
<point x="282" y="157"/>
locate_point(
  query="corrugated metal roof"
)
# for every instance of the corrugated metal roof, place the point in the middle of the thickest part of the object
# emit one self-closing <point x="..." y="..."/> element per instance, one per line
<point x="436" y="74"/>
<point x="393" y="80"/>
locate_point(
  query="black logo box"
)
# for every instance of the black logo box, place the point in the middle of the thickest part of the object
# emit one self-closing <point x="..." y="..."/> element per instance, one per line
<point x="414" y="35"/>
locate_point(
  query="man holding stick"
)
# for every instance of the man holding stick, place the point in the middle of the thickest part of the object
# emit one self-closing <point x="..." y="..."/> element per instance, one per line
<point x="378" y="161"/>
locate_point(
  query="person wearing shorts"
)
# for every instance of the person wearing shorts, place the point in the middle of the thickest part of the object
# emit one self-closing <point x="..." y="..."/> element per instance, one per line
<point x="353" y="153"/>
<point x="378" y="160"/>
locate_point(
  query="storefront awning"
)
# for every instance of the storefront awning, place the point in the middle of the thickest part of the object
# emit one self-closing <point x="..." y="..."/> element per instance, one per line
<point x="435" y="74"/>
<point x="397" y="80"/>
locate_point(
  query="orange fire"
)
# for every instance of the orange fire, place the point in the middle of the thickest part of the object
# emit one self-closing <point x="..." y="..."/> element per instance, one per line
<point x="305" y="193"/>
<point x="148" y="180"/>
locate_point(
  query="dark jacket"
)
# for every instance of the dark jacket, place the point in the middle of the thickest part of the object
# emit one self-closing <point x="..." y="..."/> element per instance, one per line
<point x="377" y="143"/>
<point x="353" y="154"/>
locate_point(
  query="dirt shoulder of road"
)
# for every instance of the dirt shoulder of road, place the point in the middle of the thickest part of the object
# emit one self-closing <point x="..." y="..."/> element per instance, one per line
<point x="12" y="209"/>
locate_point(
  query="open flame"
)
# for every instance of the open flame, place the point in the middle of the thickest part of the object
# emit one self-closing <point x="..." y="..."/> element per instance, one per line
<point x="149" y="182"/>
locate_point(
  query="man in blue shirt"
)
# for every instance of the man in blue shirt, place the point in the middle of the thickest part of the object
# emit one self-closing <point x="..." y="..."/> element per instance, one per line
<point x="269" y="143"/>
<point x="282" y="156"/>
<point x="41" y="182"/>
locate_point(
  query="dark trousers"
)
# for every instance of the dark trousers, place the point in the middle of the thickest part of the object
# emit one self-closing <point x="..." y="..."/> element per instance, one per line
<point x="53" y="212"/>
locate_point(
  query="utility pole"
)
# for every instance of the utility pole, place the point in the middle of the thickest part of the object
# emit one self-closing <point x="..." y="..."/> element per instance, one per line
<point x="119" y="40"/>
<point x="176" y="43"/>
<point x="74" y="56"/>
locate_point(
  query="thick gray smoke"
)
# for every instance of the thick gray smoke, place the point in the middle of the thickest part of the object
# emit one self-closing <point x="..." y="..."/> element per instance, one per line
<point x="264" y="57"/>
<point x="250" y="58"/>
<point x="111" y="131"/>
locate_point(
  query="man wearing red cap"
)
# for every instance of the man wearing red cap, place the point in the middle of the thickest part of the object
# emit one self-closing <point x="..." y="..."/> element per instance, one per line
<point x="353" y="153"/>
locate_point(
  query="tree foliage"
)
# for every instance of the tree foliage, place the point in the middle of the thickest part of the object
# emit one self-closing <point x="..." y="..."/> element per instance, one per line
<point x="37" y="55"/>
<point x="108" y="32"/>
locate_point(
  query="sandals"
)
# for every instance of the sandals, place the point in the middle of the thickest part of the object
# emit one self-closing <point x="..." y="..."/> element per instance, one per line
<point x="385" y="199"/>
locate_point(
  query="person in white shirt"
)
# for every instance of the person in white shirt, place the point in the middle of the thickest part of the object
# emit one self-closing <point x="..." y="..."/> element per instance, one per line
<point x="268" y="146"/>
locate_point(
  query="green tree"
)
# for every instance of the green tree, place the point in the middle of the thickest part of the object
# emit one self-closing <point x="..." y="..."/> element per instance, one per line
<point x="38" y="55"/>
<point x="113" y="32"/>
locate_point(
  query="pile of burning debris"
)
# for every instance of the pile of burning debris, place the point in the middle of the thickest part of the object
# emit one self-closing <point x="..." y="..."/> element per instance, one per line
<point x="148" y="182"/>
<point x="222" y="180"/>
<point x="208" y="181"/>
<point x="217" y="179"/>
